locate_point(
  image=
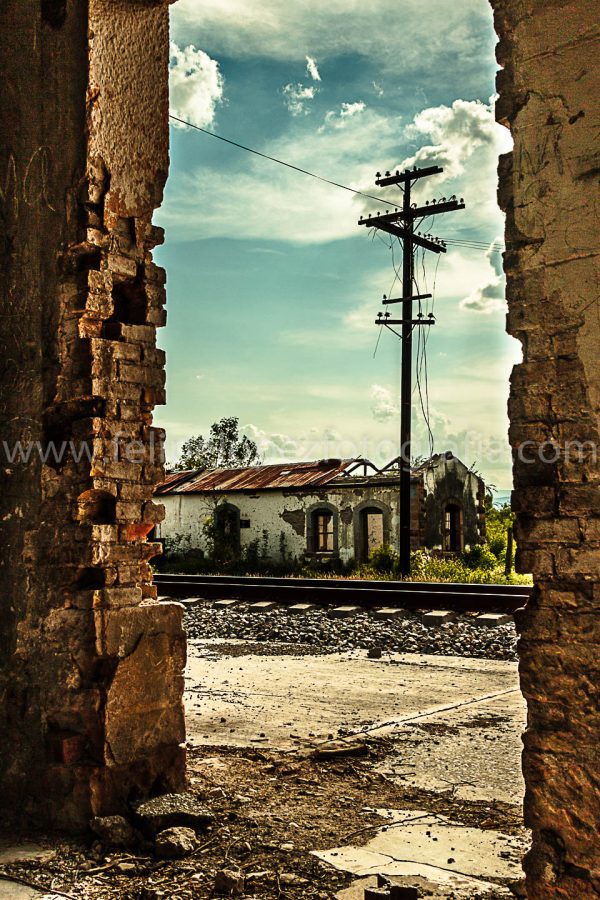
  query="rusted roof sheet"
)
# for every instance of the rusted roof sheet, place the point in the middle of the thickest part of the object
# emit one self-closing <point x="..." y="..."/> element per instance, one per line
<point x="260" y="478"/>
<point x="174" y="479"/>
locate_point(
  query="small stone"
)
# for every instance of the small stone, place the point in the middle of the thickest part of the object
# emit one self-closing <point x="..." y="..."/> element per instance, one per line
<point x="229" y="883"/>
<point x="173" y="843"/>
<point x="114" y="831"/>
<point x="241" y="849"/>
<point x="126" y="868"/>
<point x="289" y="879"/>
<point x="287" y="847"/>
<point x="172" y="810"/>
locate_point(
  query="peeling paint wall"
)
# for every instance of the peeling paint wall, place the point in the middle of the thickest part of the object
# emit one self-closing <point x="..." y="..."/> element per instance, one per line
<point x="549" y="187"/>
<point x="276" y="512"/>
<point x="90" y="664"/>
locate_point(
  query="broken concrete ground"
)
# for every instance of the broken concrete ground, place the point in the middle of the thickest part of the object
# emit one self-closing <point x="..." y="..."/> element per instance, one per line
<point x="275" y="804"/>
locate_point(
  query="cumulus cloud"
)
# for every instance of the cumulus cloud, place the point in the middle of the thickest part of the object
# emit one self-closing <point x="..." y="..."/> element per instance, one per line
<point x="351" y="109"/>
<point x="383" y="406"/>
<point x="297" y="97"/>
<point x="489" y="296"/>
<point x="347" y="143"/>
<point x="195" y="85"/>
<point x="308" y="444"/>
<point x="311" y="69"/>
<point x="456" y="132"/>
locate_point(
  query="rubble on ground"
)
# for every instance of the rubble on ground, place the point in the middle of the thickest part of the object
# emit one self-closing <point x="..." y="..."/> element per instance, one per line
<point x="317" y="630"/>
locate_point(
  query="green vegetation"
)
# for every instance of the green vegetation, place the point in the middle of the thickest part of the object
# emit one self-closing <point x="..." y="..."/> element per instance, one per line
<point x="478" y="564"/>
<point x="224" y="448"/>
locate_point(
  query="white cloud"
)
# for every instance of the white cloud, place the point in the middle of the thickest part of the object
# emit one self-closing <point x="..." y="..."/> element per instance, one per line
<point x="398" y="36"/>
<point x="292" y="207"/>
<point x="348" y="145"/>
<point x="489" y="296"/>
<point x="311" y="69"/>
<point x="195" y="85"/>
<point x="297" y="97"/>
<point x="350" y="109"/>
<point x="457" y="131"/>
<point x="383" y="406"/>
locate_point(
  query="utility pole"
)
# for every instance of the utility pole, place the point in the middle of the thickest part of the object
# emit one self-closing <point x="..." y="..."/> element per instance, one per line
<point x="401" y="224"/>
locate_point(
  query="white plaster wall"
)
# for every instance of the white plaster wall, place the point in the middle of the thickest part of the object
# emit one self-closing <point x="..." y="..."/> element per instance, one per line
<point x="185" y="515"/>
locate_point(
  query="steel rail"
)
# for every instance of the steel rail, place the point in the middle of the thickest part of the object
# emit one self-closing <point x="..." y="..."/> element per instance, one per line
<point x="339" y="592"/>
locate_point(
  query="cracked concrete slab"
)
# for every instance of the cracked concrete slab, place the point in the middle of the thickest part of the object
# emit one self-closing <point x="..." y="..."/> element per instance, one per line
<point x="437" y="854"/>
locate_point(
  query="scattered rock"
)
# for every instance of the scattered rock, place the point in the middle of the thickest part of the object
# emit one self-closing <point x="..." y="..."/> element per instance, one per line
<point x="114" y="831"/>
<point x="170" y="811"/>
<point x="289" y="879"/>
<point x="126" y="868"/>
<point x="174" y="843"/>
<point x="229" y="883"/>
<point x="317" y="633"/>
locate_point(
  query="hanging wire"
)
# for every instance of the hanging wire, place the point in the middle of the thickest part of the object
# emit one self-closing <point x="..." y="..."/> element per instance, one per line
<point x="488" y="246"/>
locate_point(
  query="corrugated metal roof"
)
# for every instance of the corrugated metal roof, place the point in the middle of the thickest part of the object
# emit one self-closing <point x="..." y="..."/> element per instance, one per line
<point x="259" y="478"/>
<point x="173" y="479"/>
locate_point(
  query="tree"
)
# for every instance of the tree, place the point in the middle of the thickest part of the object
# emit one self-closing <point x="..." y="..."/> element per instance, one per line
<point x="224" y="448"/>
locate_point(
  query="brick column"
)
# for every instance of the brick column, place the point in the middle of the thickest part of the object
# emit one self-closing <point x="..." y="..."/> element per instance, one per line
<point x="90" y="664"/>
<point x="549" y="91"/>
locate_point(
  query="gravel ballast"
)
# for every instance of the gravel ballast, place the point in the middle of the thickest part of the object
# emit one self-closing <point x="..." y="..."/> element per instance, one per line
<point x="323" y="634"/>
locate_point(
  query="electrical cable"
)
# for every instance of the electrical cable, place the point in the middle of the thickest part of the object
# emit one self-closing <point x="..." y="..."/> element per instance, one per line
<point x="281" y="162"/>
<point x="380" y="200"/>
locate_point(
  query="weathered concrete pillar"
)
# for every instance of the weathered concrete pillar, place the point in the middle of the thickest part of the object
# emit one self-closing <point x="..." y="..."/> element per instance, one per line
<point x="90" y="664"/>
<point x="549" y="91"/>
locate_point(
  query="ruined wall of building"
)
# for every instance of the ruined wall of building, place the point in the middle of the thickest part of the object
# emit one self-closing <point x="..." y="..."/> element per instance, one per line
<point x="448" y="481"/>
<point x="549" y="88"/>
<point x="280" y="520"/>
<point x="90" y="664"/>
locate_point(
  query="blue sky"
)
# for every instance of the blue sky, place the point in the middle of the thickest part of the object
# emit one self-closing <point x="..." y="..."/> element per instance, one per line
<point x="272" y="286"/>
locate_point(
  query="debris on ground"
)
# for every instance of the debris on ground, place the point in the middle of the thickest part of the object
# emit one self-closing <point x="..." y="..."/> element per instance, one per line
<point x="263" y="814"/>
<point x="316" y="632"/>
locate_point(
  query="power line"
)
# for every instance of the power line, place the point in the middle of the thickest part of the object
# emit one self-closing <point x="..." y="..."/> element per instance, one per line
<point x="281" y="162"/>
<point x="379" y="200"/>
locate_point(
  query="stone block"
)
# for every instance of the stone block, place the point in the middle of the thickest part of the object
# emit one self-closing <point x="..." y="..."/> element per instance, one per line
<point x="264" y="606"/>
<point x="344" y="612"/>
<point x="490" y="620"/>
<point x="389" y="612"/>
<point x="438" y="616"/>
<point x="300" y="609"/>
<point x="225" y="604"/>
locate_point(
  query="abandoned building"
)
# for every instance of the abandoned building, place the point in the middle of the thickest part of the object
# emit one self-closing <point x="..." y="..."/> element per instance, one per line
<point x="90" y="665"/>
<point x="322" y="511"/>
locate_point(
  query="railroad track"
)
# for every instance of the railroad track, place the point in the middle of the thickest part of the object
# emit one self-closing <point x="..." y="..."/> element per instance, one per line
<point x="345" y="592"/>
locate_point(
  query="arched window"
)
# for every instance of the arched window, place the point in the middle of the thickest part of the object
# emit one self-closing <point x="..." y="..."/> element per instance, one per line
<point x="322" y="529"/>
<point x="452" y="528"/>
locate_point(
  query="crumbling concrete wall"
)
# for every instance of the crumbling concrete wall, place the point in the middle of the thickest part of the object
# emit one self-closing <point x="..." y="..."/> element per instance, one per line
<point x="549" y="89"/>
<point x="90" y="664"/>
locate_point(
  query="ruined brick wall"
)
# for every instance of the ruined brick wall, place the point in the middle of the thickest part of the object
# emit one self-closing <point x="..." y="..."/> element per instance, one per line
<point x="549" y="90"/>
<point x="90" y="664"/>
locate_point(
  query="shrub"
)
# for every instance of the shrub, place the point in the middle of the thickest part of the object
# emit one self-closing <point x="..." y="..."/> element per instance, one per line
<point x="479" y="556"/>
<point x="383" y="560"/>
